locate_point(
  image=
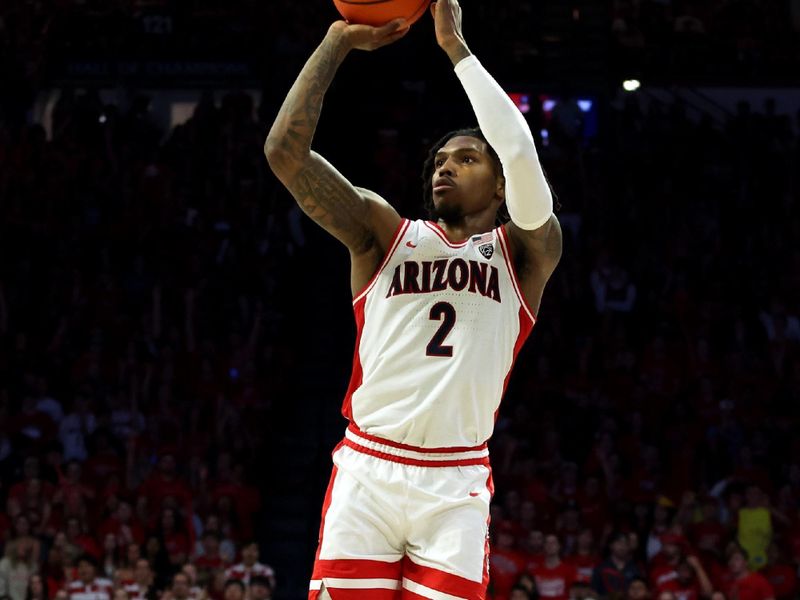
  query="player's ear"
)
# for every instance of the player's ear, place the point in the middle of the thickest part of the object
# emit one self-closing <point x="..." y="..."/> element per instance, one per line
<point x="500" y="190"/>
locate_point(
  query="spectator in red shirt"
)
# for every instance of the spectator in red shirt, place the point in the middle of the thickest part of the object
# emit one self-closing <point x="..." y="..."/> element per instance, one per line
<point x="73" y="495"/>
<point x="693" y="582"/>
<point x="123" y="526"/>
<point x="743" y="584"/>
<point x="210" y="559"/>
<point x="30" y="471"/>
<point x="250" y="567"/>
<point x="585" y="558"/>
<point x="88" y="586"/>
<point x="781" y="575"/>
<point x="664" y="575"/>
<point x="593" y="504"/>
<point x="76" y="535"/>
<point x="506" y="562"/>
<point x="165" y="483"/>
<point x="682" y="575"/>
<point x="708" y="534"/>
<point x="568" y="527"/>
<point x="534" y="549"/>
<point x="554" y="578"/>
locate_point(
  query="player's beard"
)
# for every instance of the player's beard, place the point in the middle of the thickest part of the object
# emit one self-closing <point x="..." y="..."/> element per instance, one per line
<point x="449" y="212"/>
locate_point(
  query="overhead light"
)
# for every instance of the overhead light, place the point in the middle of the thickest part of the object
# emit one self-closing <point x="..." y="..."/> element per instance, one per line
<point x="631" y="85"/>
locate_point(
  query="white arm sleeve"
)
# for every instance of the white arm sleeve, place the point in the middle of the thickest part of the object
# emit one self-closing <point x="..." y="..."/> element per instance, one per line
<point x="528" y="195"/>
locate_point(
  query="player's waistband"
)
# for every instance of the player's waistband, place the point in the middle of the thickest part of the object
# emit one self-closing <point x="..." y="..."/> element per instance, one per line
<point x="362" y="442"/>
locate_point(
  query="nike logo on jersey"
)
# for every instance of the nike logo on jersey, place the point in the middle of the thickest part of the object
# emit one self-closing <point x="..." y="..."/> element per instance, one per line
<point x="413" y="277"/>
<point x="410" y="245"/>
<point x="474" y="494"/>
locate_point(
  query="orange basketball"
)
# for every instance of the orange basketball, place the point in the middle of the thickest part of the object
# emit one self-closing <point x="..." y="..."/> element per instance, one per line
<point x="380" y="12"/>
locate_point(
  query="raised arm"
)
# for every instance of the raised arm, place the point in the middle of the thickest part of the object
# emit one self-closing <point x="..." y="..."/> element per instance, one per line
<point x="359" y="219"/>
<point x="534" y="231"/>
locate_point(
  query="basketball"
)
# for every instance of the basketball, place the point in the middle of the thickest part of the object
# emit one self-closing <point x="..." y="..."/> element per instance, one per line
<point x="380" y="12"/>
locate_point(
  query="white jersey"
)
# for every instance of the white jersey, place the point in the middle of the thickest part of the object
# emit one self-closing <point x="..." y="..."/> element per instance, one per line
<point x="438" y="329"/>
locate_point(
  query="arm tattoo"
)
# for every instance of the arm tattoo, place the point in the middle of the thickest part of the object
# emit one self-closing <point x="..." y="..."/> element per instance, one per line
<point x="300" y="112"/>
<point x="320" y="190"/>
<point x="331" y="201"/>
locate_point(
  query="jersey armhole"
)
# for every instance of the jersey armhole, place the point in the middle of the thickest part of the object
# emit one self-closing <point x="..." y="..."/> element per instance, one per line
<point x="505" y="246"/>
<point x="398" y="235"/>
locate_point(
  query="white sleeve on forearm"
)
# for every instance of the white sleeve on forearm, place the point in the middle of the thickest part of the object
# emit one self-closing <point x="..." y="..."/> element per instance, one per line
<point x="528" y="195"/>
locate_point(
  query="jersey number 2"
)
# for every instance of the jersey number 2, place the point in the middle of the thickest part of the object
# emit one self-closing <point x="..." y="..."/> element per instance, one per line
<point x="444" y="312"/>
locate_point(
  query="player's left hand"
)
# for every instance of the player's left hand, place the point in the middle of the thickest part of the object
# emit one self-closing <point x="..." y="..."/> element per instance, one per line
<point x="447" y="21"/>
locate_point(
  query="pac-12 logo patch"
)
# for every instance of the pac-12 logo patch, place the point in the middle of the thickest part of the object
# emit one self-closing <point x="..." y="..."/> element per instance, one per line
<point x="485" y="244"/>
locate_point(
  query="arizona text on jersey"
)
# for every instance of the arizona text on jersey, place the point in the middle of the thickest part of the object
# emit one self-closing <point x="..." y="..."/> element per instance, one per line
<point x="438" y="329"/>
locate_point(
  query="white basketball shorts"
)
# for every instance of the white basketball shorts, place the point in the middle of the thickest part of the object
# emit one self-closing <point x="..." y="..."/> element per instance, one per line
<point x="400" y="522"/>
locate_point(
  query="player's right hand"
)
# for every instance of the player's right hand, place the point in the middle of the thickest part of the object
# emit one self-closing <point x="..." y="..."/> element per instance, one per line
<point x="366" y="37"/>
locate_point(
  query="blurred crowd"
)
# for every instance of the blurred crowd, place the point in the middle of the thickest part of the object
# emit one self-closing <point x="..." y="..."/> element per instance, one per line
<point x="148" y="333"/>
<point x="649" y="447"/>
<point x="137" y="367"/>
<point x="686" y="39"/>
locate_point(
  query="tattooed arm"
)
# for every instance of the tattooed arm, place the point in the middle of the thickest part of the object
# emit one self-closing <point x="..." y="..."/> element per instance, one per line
<point x="360" y="219"/>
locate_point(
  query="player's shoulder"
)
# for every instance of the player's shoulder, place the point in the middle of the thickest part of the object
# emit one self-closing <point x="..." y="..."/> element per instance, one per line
<point x="377" y="203"/>
<point x="383" y="219"/>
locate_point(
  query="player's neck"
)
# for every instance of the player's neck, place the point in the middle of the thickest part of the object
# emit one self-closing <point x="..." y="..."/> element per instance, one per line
<point x="469" y="225"/>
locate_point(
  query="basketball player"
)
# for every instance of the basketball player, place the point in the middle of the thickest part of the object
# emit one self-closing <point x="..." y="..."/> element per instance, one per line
<point x="442" y="307"/>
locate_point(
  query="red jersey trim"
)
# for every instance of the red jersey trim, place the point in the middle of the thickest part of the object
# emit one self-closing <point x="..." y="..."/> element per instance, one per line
<point x="357" y="374"/>
<point x="435" y="228"/>
<point x="398" y="235"/>
<point x="326" y="504"/>
<point x="484" y="460"/>
<point x="525" y="327"/>
<point x="503" y="237"/>
<point x="379" y="440"/>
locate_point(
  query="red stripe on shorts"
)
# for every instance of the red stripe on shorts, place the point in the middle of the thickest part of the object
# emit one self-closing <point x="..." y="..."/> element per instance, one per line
<point x="467" y="462"/>
<point x="442" y="581"/>
<point x="351" y="568"/>
<point x="354" y="428"/>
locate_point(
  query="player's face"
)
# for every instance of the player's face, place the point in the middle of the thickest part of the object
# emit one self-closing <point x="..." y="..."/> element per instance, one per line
<point x="465" y="180"/>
